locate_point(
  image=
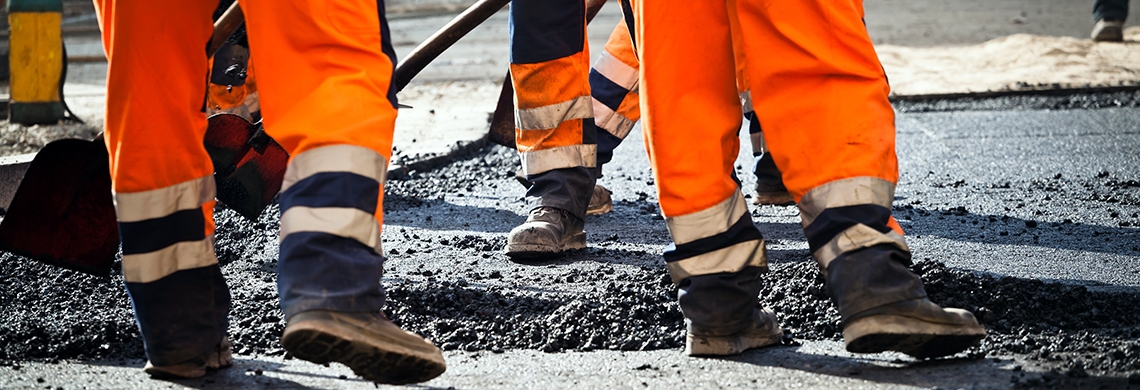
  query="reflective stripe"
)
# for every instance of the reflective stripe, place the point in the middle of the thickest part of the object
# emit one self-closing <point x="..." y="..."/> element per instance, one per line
<point x="708" y="222"/>
<point x="339" y="221"/>
<point x="539" y="161"/>
<point x="730" y="259"/>
<point x="746" y="101"/>
<point x="612" y="122"/>
<point x="336" y="158"/>
<point x="549" y="117"/>
<point x="140" y="206"/>
<point x="149" y="267"/>
<point x="617" y="71"/>
<point x="846" y="192"/>
<point x="856" y="237"/>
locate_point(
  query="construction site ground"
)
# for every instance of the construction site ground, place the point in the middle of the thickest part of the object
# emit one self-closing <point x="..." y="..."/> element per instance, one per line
<point x="1024" y="209"/>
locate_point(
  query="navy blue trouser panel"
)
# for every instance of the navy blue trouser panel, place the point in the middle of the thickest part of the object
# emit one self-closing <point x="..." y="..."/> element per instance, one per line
<point x="321" y="271"/>
<point x="183" y="315"/>
<point x="867" y="278"/>
<point x="544" y="30"/>
<point x="567" y="189"/>
<point x="1110" y="9"/>
<point x="720" y="304"/>
<point x="835" y="220"/>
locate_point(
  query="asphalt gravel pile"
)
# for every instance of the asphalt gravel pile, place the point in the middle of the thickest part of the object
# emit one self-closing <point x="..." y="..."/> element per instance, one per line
<point x="1030" y="101"/>
<point x="448" y="280"/>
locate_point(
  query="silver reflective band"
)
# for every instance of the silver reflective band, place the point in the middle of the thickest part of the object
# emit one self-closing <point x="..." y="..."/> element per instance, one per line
<point x="572" y="156"/>
<point x="758" y="145"/>
<point x="344" y="222"/>
<point x="141" y="206"/>
<point x="612" y="122"/>
<point x="708" y="222"/>
<point x="856" y="237"/>
<point x="617" y="71"/>
<point x="746" y="101"/>
<point x="845" y="192"/>
<point x="149" y="267"/>
<point x="336" y="158"/>
<point x="731" y="259"/>
<point x="549" y="117"/>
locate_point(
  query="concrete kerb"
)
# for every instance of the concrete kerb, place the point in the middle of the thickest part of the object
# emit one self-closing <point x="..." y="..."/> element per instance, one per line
<point x="12" y="170"/>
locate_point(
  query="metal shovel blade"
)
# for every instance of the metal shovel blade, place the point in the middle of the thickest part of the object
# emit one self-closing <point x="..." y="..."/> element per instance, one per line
<point x="248" y="165"/>
<point x="62" y="214"/>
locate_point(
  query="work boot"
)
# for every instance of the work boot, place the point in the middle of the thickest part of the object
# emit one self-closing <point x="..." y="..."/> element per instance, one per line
<point x="368" y="343"/>
<point x="221" y="356"/>
<point x="761" y="332"/>
<point x="1107" y="30"/>
<point x="722" y="314"/>
<point x="547" y="231"/>
<point x="884" y="307"/>
<point x="600" y="201"/>
<point x="770" y="188"/>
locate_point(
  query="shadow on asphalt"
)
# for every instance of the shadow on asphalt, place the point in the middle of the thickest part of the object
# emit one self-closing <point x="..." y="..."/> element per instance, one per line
<point x="250" y="373"/>
<point x="961" y="225"/>
<point x="955" y="372"/>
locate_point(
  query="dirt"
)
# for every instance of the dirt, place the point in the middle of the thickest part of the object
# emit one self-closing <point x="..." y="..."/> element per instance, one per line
<point x="448" y="280"/>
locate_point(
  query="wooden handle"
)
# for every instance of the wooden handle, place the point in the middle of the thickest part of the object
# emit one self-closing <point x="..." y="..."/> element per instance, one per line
<point x="224" y="27"/>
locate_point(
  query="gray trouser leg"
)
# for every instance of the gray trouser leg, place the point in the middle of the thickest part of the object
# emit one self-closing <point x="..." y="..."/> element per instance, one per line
<point x="567" y="189"/>
<point x="871" y="277"/>
<point x="1110" y="9"/>
<point x="720" y="304"/>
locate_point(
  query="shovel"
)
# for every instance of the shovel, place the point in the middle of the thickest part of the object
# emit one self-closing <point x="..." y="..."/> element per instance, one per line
<point x="62" y="213"/>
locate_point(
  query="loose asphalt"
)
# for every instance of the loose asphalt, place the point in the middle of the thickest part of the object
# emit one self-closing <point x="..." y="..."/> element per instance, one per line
<point x="1025" y="210"/>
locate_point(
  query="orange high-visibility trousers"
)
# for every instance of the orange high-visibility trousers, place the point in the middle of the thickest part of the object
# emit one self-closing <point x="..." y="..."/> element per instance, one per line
<point x="324" y="77"/>
<point x="824" y="110"/>
<point x="554" y="125"/>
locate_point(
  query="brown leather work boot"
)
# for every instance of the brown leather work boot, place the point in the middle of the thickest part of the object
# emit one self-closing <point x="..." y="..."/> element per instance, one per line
<point x="547" y="232"/>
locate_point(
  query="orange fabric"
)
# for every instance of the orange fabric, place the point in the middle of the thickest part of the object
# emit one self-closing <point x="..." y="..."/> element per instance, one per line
<point x="159" y="123"/>
<point x="824" y="93"/>
<point x="823" y="102"/>
<point x="208" y="213"/>
<point x="551" y="82"/>
<point x="620" y="45"/>
<point x="567" y="133"/>
<point x="692" y="114"/>
<point x="321" y="75"/>
<point x="630" y="107"/>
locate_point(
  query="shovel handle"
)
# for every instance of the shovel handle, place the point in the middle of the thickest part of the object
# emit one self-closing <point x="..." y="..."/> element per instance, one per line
<point x="224" y="27"/>
<point x="446" y="36"/>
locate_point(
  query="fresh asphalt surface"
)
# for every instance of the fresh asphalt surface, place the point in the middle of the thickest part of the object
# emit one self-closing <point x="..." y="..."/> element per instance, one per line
<point x="992" y="189"/>
<point x="1030" y="194"/>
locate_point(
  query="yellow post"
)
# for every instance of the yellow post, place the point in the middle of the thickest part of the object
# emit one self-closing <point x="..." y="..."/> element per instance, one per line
<point x="35" y="61"/>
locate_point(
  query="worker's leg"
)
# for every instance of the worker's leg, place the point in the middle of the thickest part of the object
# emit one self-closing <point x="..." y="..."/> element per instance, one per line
<point x="554" y="123"/>
<point x="831" y="129"/>
<point x="162" y="177"/>
<point x="1110" y="10"/>
<point x="613" y="89"/>
<point x="324" y="80"/>
<point x="691" y="115"/>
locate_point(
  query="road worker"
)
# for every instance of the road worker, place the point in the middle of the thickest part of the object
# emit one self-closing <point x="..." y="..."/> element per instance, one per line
<point x="831" y="131"/>
<point x="554" y="124"/>
<point x="325" y="92"/>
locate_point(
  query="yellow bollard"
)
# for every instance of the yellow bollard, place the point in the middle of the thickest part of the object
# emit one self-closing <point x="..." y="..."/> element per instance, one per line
<point x="35" y="61"/>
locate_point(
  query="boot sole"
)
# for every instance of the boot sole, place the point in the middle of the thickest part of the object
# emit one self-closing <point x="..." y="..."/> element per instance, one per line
<point x="777" y="199"/>
<point x="382" y="362"/>
<point x="727" y="345"/>
<point x="911" y="336"/>
<point x="600" y="210"/>
<point x="535" y="251"/>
